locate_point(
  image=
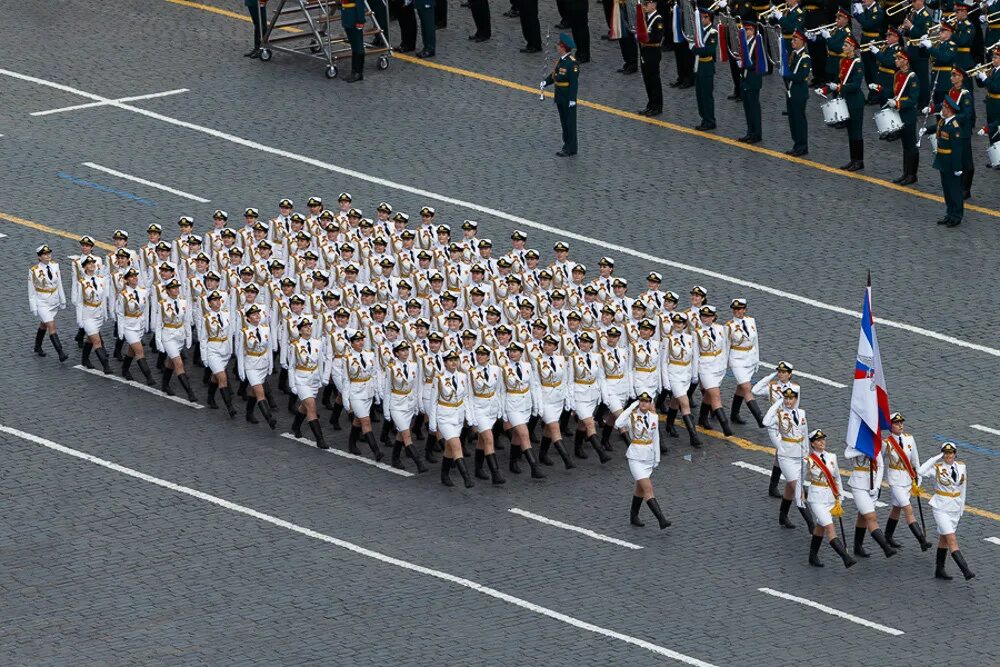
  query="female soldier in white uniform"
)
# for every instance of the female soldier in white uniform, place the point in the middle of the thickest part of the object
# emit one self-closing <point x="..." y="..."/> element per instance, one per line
<point x="305" y="377"/>
<point x="45" y="298"/>
<point x="640" y="425"/>
<point x="401" y="401"/>
<point x="587" y="379"/>
<point x="92" y="310"/>
<point x="902" y="463"/>
<point x="820" y="485"/>
<point x="215" y="331"/>
<point x="865" y="481"/>
<point x="173" y="334"/>
<point x="451" y="408"/>
<point x="680" y="369"/>
<point x="361" y="386"/>
<point x="520" y="395"/>
<point x="487" y="401"/>
<point x="949" y="482"/>
<point x="132" y="307"/>
<point x="617" y="380"/>
<point x="254" y="362"/>
<point x="772" y="387"/>
<point x="713" y="355"/>
<point x="790" y="421"/>
<point x="552" y="377"/>
<point x="744" y="358"/>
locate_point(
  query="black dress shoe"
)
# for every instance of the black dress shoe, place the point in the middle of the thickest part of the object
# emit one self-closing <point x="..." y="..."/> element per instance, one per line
<point x="674" y="84"/>
<point x="733" y="97"/>
<point x="405" y="48"/>
<point x="531" y="49"/>
<point x="909" y="179"/>
<point x="480" y="40"/>
<point x="967" y="194"/>
<point x="585" y="59"/>
<point x="512" y="14"/>
<point x="355" y="76"/>
<point x="562" y="25"/>
<point x="425" y="54"/>
<point x="686" y="84"/>
<point x="953" y="223"/>
<point x="754" y="140"/>
<point x="643" y="112"/>
<point x="252" y="53"/>
<point x="744" y="139"/>
<point x="792" y="152"/>
<point x="564" y="153"/>
<point x="629" y="69"/>
<point x="700" y="127"/>
<point x="655" y="111"/>
<point x="943" y="221"/>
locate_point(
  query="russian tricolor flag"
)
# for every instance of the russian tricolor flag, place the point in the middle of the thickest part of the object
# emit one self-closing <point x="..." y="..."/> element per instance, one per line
<point x="869" y="397"/>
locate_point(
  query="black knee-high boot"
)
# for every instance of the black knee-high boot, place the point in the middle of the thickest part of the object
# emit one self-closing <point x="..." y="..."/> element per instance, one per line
<point x="102" y="356"/>
<point x="515" y="454"/>
<point x="479" y="462"/>
<point x="563" y="455"/>
<point x="783" y="519"/>
<point x="692" y="431"/>
<point x="690" y="394"/>
<point x="532" y="423"/>
<point x="327" y="393"/>
<point x="942" y="556"/>
<point x="495" y="476"/>
<point x="80" y="335"/>
<point x="810" y="524"/>
<point x="757" y="414"/>
<point x="919" y="534"/>
<point x="859" y="539"/>
<point x="144" y="367"/>
<point x="498" y="433"/>
<point x="386" y="432"/>
<point x="962" y="565"/>
<point x="161" y="361"/>
<point x="415" y="458"/>
<point x="417" y="429"/>
<point x="814" y="545"/>
<point x="606" y="437"/>
<point x="126" y="366"/>
<point x="335" y="417"/>
<point x="397" y="451"/>
<point x="633" y="516"/>
<point x="227" y="398"/>
<point x="703" y="413"/>
<point x="772" y="487"/>
<point x="543" y="452"/>
<point x="183" y="379"/>
<point x="206" y="375"/>
<point x="297" y="424"/>
<point x="283" y="380"/>
<point x="720" y="414"/>
<point x="251" y="404"/>
<point x="292" y="399"/>
<point x="464" y="472"/>
<point x="734" y="413"/>
<point x="57" y="344"/>
<point x="564" y="422"/>
<point x="210" y="399"/>
<point x="658" y="513"/>
<point x="529" y="456"/>
<point x="352" y="440"/>
<point x="242" y="390"/>
<point x="165" y="381"/>
<point x="373" y="445"/>
<point x="119" y="343"/>
<point x="265" y="409"/>
<point x="669" y="423"/>
<point x="430" y="447"/>
<point x="890" y="528"/>
<point x="85" y="354"/>
<point x="597" y="448"/>
<point x="39" y="339"/>
<point x="446" y="471"/>
<point x="578" y="445"/>
<point x="879" y="538"/>
<point x="318" y="434"/>
<point x="841" y="550"/>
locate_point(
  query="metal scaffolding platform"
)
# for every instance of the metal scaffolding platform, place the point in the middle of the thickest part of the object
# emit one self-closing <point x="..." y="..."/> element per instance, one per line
<point x="311" y="28"/>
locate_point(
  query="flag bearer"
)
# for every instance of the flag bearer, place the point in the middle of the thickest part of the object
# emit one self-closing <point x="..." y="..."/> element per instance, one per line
<point x="822" y="489"/>
<point x="901" y="474"/>
<point x="865" y="481"/>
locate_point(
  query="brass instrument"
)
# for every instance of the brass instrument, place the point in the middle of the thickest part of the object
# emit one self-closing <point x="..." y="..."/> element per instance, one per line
<point x="769" y="12"/>
<point x="818" y="30"/>
<point x="993" y="17"/>
<point x="935" y="39"/>
<point x="898" y="8"/>
<point x="979" y="68"/>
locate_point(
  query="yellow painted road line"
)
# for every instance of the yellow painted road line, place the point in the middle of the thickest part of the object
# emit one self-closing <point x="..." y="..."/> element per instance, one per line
<point x="49" y="230"/>
<point x="486" y="78"/>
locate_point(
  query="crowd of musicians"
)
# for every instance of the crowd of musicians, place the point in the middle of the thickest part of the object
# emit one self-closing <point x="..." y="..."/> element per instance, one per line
<point x="442" y="337"/>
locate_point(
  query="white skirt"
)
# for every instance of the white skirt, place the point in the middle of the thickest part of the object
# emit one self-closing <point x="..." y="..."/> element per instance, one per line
<point x="585" y="404"/>
<point x="132" y="336"/>
<point x="172" y="347"/>
<point x="517" y="409"/>
<point x="92" y="321"/>
<point x="551" y="412"/>
<point x="640" y="469"/>
<point x="450" y="422"/>
<point x="900" y="495"/>
<point x="306" y="385"/>
<point x="47" y="311"/>
<point x="864" y="500"/>
<point x="742" y="372"/>
<point x="791" y="468"/>
<point x="679" y="383"/>
<point x="821" y="512"/>
<point x="403" y="413"/>
<point x="947" y="522"/>
<point x="646" y="382"/>
<point x="255" y="376"/>
<point x="710" y="375"/>
<point x="360" y="407"/>
<point x="486" y="413"/>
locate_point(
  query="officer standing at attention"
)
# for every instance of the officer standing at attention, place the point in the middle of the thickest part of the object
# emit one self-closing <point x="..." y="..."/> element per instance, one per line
<point x="704" y="72"/>
<point x="428" y="34"/>
<point x="565" y="75"/>
<point x="258" y="14"/>
<point x="352" y="18"/>
<point x="797" y="94"/>
<point x="652" y="50"/>
<point x="948" y="161"/>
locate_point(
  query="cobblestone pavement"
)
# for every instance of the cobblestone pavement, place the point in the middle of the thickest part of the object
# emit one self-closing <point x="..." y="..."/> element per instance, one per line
<point x="101" y="568"/>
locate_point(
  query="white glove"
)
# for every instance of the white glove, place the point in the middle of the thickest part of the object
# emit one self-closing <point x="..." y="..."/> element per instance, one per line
<point x="981" y="76"/>
<point x="833" y="86"/>
<point x="873" y="48"/>
<point x="982" y="18"/>
<point x="811" y="36"/>
<point x="777" y="15"/>
<point x="541" y="86"/>
<point x="819" y="91"/>
<point x="923" y="131"/>
<point x="690" y="43"/>
<point x="925" y="110"/>
<point x="926" y="43"/>
<point x="857" y="8"/>
<point x="825" y="34"/>
<point x="873" y="86"/>
<point x="572" y="103"/>
<point x="981" y="132"/>
<point x="723" y="4"/>
<point x="958" y="173"/>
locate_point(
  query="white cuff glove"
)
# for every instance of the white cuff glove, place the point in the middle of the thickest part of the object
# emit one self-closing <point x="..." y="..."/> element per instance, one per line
<point x="891" y="104"/>
<point x="982" y="18"/>
<point x="922" y="131"/>
<point x="833" y="86"/>
<point x="958" y="173"/>
<point x="572" y="103"/>
<point x="925" y="110"/>
<point x="825" y="34"/>
<point x="981" y="132"/>
<point x="873" y="48"/>
<point x="723" y="4"/>
<point x="811" y="37"/>
<point x="777" y="15"/>
<point x="819" y="91"/>
<point x="857" y="8"/>
<point x="926" y="43"/>
<point x="981" y="76"/>
<point x="873" y="86"/>
<point x="541" y="86"/>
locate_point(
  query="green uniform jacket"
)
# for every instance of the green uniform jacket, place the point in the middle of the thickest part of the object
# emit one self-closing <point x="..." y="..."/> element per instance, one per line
<point x="944" y="58"/>
<point x="791" y="21"/>
<point x="871" y="21"/>
<point x="566" y="76"/>
<point x="965" y="111"/>
<point x="835" y="50"/>
<point x="799" y="72"/>
<point x="751" y="79"/>
<point x="963" y="44"/>
<point x="850" y="89"/>
<point x="949" y="154"/>
<point x="920" y="20"/>
<point x="992" y="86"/>
<point x="706" y="54"/>
<point x="908" y="98"/>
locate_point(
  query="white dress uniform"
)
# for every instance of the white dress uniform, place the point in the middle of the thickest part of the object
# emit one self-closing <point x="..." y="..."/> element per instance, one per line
<point x="772" y="387"/>
<point x="337" y="349"/>
<point x="173" y="326"/>
<point x="216" y="337"/>
<point x="643" y="431"/>
<point x="253" y="353"/>
<point x="401" y="392"/>
<point x="132" y="313"/>
<point x="680" y="362"/>
<point x="92" y="308"/>
<point x="793" y="440"/>
<point x="815" y="486"/>
<point x="587" y="375"/>
<point x="487" y="396"/>
<point x="45" y="291"/>
<point x="361" y="384"/>
<point x="308" y="370"/>
<point x="552" y="377"/>
<point x="744" y="352"/>
<point x="520" y="395"/>
<point x="713" y="355"/>
<point x="863" y="482"/>
<point x="896" y="474"/>
<point x="646" y="374"/>
<point x="617" y="380"/>
<point x="451" y="406"/>
<point x="949" y="484"/>
<point x="429" y="364"/>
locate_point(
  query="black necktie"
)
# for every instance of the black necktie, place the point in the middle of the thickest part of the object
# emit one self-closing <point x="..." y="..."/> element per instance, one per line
<point x="219" y="319"/>
<point x="617" y="360"/>
<point x="48" y="270"/>
<point x="406" y="374"/>
<point x="309" y="348"/>
<point x="177" y="308"/>
<point x="517" y="367"/>
<point x="795" y="417"/>
<point x="93" y="281"/>
<point x="954" y="474"/>
<point x="745" y="328"/>
<point x="588" y="361"/>
<point x="362" y="357"/>
<point x="712" y="332"/>
<point x="454" y="383"/>
<point x="822" y="458"/>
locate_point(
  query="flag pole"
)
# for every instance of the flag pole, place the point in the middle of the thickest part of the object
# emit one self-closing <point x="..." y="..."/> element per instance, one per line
<point x="878" y="433"/>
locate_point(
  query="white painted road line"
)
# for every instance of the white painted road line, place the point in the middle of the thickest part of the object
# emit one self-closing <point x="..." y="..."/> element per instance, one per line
<point x="139" y="385"/>
<point x="765" y="471"/>
<point x="834" y="612"/>
<point x="985" y="429"/>
<point x="362" y="551"/>
<point x="575" y="529"/>
<point x="348" y="455"/>
<point x="103" y="103"/>
<point x="152" y="184"/>
<point x="993" y="540"/>
<point x="2" y="236"/>
<point x="604" y="245"/>
<point x="816" y="378"/>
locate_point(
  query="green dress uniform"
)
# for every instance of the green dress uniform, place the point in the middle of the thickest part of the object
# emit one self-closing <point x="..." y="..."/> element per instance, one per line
<point x="352" y="14"/>
<point x="906" y="93"/>
<point x="948" y="161"/>
<point x="792" y="20"/>
<point x="920" y="20"/>
<point x="992" y="86"/>
<point x="797" y="94"/>
<point x="750" y="89"/>
<point x="704" y="77"/>
<point x="258" y="15"/>
<point x="428" y="27"/>
<point x="649" y="64"/>
<point x="966" y="117"/>
<point x="992" y="30"/>
<point x="872" y="22"/>
<point x="566" y="75"/>
<point x="850" y="89"/>
<point x="886" y="59"/>
<point x="963" y="37"/>
<point x="943" y="54"/>
<point x="835" y="52"/>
